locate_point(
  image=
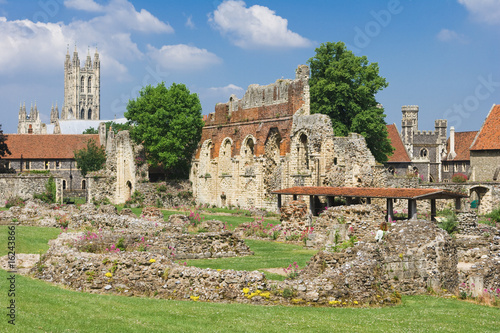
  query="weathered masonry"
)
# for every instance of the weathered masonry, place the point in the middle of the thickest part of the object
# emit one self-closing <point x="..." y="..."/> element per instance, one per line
<point x="268" y="141"/>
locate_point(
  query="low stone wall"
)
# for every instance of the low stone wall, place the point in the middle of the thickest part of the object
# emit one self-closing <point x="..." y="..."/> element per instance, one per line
<point x="24" y="186"/>
<point x="295" y="218"/>
<point x="361" y="221"/>
<point x="174" y="246"/>
<point x="167" y="194"/>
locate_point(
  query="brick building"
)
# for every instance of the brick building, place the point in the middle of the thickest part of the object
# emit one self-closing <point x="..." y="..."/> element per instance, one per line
<point x="485" y="149"/>
<point x="268" y="141"/>
<point x="50" y="152"/>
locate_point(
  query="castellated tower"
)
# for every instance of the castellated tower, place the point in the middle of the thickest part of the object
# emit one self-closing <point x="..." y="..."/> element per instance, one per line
<point x="409" y="123"/>
<point x="81" y="88"/>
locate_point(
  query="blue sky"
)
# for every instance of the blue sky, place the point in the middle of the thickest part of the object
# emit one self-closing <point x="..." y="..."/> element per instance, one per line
<point x="440" y="55"/>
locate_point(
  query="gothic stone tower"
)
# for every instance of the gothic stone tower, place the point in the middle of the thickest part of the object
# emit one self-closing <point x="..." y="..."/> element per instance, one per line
<point x="81" y="88"/>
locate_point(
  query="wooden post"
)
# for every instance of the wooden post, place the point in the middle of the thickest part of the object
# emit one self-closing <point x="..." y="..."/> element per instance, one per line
<point x="330" y="201"/>
<point x="279" y="202"/>
<point x="368" y="201"/>
<point x="295" y="197"/>
<point x="458" y="204"/>
<point x="433" y="209"/>
<point x="412" y="209"/>
<point x="390" y="210"/>
<point x="348" y="201"/>
<point x="311" y="204"/>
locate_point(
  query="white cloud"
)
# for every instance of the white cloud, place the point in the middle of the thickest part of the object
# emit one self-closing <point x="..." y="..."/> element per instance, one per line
<point x="190" y="23"/>
<point x="254" y="27"/>
<point x="227" y="90"/>
<point x="40" y="47"/>
<point x="487" y="11"/>
<point x="446" y="35"/>
<point x="182" y="57"/>
<point x="87" y="5"/>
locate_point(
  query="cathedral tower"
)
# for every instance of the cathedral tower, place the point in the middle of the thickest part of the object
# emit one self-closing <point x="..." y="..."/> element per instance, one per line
<point x="81" y="88"/>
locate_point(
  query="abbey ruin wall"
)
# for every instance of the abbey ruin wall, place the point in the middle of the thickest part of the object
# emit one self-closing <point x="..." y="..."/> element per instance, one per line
<point x="268" y="141"/>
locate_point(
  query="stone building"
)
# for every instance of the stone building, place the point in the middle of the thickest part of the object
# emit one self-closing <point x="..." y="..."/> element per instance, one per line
<point x="399" y="163"/>
<point x="81" y="97"/>
<point x="458" y="158"/>
<point x="485" y="149"/>
<point x="125" y="167"/>
<point x="45" y="152"/>
<point x="267" y="141"/>
<point x="425" y="148"/>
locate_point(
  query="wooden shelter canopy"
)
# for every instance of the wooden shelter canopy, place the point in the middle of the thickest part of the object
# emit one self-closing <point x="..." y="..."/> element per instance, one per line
<point x="372" y="192"/>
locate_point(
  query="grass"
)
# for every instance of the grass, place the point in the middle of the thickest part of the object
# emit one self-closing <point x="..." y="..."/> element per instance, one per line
<point x="267" y="255"/>
<point x="28" y="239"/>
<point x="232" y="221"/>
<point x="137" y="211"/>
<point x="41" y="307"/>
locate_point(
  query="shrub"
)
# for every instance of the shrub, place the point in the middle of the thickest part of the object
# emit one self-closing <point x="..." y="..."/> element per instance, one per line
<point x="14" y="201"/>
<point x="459" y="178"/>
<point x="494" y="215"/>
<point x="450" y="225"/>
<point x="49" y="196"/>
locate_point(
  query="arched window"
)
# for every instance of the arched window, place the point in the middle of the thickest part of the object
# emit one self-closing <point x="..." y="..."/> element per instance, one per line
<point x="424" y="152"/>
<point x="64" y="184"/>
<point x="82" y="85"/>
<point x="89" y="85"/>
<point x="30" y="129"/>
<point x="391" y="170"/>
<point x="89" y="114"/>
<point x="84" y="184"/>
<point x="82" y="114"/>
<point x="302" y="153"/>
<point x="249" y="146"/>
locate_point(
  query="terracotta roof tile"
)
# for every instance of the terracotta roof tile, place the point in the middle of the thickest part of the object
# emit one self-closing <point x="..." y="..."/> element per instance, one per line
<point x="372" y="192"/>
<point x="488" y="137"/>
<point x="46" y="146"/>
<point x="463" y="141"/>
<point x="399" y="154"/>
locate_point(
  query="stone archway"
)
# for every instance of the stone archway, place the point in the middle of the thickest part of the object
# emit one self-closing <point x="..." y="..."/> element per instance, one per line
<point x="478" y="193"/>
<point x="128" y="194"/>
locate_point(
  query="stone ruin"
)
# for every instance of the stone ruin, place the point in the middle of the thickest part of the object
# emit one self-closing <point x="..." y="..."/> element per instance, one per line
<point x="412" y="257"/>
<point x="269" y="140"/>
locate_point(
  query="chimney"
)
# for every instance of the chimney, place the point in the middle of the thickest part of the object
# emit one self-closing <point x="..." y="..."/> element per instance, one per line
<point x="452" y="153"/>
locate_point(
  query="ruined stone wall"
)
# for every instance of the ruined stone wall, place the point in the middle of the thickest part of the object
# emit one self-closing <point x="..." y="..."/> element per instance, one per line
<point x="125" y="167"/>
<point x="269" y="141"/>
<point x="24" y="186"/>
<point x="169" y="194"/>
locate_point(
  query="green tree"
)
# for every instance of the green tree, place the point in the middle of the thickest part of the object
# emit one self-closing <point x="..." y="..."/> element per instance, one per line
<point x="91" y="130"/>
<point x="343" y="86"/>
<point x="117" y="127"/>
<point x="168" y="122"/>
<point x="91" y="158"/>
<point x="4" y="150"/>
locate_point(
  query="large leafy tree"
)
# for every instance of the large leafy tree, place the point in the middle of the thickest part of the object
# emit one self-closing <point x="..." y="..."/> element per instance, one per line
<point x="4" y="150"/>
<point x="343" y="86"/>
<point x="91" y="158"/>
<point x="168" y="122"/>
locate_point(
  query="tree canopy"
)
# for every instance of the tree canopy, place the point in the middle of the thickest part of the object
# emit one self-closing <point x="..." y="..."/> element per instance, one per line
<point x="4" y="150"/>
<point x="168" y="122"/>
<point x="91" y="158"/>
<point x="343" y="86"/>
<point x="91" y="130"/>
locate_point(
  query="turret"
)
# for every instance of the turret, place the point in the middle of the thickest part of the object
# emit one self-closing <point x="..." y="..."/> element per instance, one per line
<point x="22" y="112"/>
<point x="88" y="61"/>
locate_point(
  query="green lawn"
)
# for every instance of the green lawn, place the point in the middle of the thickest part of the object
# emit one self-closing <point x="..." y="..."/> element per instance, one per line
<point x="232" y="221"/>
<point x="41" y="307"/>
<point x="267" y="255"/>
<point x="28" y="239"/>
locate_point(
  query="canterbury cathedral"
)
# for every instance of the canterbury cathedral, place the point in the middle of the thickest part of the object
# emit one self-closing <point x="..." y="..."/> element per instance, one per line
<point x="81" y="98"/>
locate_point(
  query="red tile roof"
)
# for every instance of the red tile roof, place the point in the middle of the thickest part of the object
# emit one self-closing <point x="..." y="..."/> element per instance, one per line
<point x="46" y="146"/>
<point x="399" y="154"/>
<point x="463" y="141"/>
<point x="488" y="137"/>
<point x="372" y="192"/>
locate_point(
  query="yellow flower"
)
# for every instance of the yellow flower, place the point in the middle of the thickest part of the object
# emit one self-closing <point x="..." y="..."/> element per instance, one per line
<point x="108" y="274"/>
<point x="355" y="302"/>
<point x="194" y="298"/>
<point x="344" y="303"/>
<point x="152" y="260"/>
<point x="218" y="269"/>
<point x="258" y="292"/>
<point x="246" y="290"/>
